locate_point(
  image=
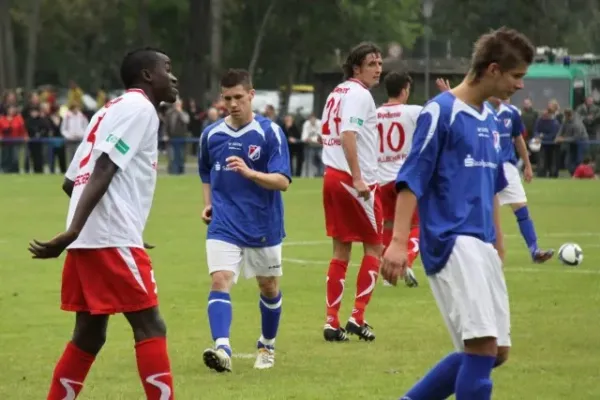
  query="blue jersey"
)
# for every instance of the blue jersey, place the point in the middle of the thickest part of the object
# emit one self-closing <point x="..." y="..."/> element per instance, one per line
<point x="243" y="213"/>
<point x="454" y="169"/>
<point x="510" y="126"/>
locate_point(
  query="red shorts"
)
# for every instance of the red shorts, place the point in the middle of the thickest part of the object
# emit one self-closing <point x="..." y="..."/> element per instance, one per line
<point x="347" y="217"/>
<point x="108" y="281"/>
<point x="388" y="203"/>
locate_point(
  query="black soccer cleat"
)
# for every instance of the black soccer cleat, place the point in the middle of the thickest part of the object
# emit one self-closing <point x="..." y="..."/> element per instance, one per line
<point x="363" y="331"/>
<point x="332" y="334"/>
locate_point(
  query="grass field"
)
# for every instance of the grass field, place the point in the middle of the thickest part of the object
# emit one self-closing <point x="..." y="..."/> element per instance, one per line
<point x="556" y="328"/>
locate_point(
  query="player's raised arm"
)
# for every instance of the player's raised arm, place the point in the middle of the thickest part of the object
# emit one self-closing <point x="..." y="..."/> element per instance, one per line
<point x="411" y="183"/>
<point x="353" y="114"/>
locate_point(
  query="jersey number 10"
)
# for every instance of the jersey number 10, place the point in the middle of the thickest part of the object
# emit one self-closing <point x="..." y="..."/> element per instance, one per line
<point x="394" y="141"/>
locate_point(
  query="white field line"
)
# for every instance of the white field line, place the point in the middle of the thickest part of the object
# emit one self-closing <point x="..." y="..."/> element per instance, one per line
<point x="508" y="236"/>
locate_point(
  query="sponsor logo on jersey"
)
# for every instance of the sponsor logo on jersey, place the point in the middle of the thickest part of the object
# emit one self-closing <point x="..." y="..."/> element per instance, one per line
<point x="356" y="121"/>
<point x="120" y="145"/>
<point x="253" y="152"/>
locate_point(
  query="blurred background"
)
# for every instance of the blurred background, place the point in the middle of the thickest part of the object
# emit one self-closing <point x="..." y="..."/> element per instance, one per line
<point x="59" y="63"/>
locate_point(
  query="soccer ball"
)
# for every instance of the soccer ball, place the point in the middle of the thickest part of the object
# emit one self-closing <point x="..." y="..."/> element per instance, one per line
<point x="570" y="254"/>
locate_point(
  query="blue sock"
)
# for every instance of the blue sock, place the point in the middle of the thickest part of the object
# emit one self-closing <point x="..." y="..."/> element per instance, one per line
<point x="439" y="383"/>
<point x="527" y="228"/>
<point x="270" y="311"/>
<point x="473" y="381"/>
<point x="219" y="318"/>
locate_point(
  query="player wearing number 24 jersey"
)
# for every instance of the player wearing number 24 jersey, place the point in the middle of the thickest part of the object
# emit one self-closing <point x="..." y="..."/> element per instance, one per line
<point x="111" y="183"/>
<point x="396" y="125"/>
<point x="350" y="187"/>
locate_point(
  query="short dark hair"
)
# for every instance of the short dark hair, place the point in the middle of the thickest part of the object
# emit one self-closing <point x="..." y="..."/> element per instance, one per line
<point x="357" y="55"/>
<point x="587" y="160"/>
<point x="506" y="47"/>
<point x="135" y="62"/>
<point x="233" y="77"/>
<point x="396" y="81"/>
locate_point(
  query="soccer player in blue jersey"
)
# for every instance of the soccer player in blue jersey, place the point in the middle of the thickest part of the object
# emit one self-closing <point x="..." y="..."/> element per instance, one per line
<point x="244" y="165"/>
<point x="511" y="130"/>
<point x="454" y="172"/>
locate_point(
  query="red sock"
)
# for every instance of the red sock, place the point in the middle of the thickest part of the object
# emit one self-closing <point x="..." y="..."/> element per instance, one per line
<point x="413" y="245"/>
<point x="336" y="277"/>
<point x="70" y="372"/>
<point x="154" y="368"/>
<point x="365" y="284"/>
<point x="387" y="238"/>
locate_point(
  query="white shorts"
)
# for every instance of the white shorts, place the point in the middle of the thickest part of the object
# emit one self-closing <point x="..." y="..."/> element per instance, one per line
<point x="514" y="193"/>
<point x="255" y="261"/>
<point x="471" y="293"/>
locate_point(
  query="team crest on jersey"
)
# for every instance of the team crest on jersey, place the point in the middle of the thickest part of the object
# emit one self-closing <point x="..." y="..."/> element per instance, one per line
<point x="254" y="152"/>
<point x="496" y="137"/>
<point x="507" y="122"/>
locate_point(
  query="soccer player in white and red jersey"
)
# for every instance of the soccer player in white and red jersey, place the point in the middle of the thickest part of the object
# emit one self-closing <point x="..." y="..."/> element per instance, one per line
<point x="396" y="125"/>
<point x="350" y="188"/>
<point x="106" y="270"/>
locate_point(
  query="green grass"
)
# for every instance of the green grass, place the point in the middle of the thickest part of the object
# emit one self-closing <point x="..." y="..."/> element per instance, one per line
<point x="554" y="308"/>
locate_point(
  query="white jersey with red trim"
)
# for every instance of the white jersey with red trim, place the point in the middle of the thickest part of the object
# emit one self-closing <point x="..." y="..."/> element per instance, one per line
<point x="126" y="130"/>
<point x="396" y="125"/>
<point x="350" y="107"/>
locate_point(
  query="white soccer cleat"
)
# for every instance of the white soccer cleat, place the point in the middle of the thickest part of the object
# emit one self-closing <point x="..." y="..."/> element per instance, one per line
<point x="386" y="283"/>
<point x="265" y="358"/>
<point x="410" y="279"/>
<point x="217" y="359"/>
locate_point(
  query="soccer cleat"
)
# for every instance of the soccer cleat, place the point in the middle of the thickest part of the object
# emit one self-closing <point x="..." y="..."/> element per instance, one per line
<point x="265" y="358"/>
<point x="217" y="359"/>
<point x="386" y="283"/>
<point x="541" y="256"/>
<point x="363" y="331"/>
<point x="332" y="334"/>
<point x="410" y="279"/>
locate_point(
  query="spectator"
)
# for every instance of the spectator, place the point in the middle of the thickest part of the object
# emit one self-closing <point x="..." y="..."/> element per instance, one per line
<point x="196" y="124"/>
<point x="176" y="127"/>
<point x="585" y="170"/>
<point x="10" y="99"/>
<point x="101" y="98"/>
<point x="546" y="129"/>
<point x="311" y="137"/>
<point x="74" y="96"/>
<point x="529" y="116"/>
<point x="590" y="115"/>
<point x="56" y="145"/>
<point x="295" y="144"/>
<point x="12" y="136"/>
<point x="38" y="128"/>
<point x="73" y="129"/>
<point x="573" y="137"/>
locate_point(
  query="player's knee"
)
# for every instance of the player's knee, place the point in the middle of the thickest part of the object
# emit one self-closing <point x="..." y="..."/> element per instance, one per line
<point x="517" y="206"/>
<point x="221" y="281"/>
<point x="374" y="250"/>
<point x="342" y="250"/>
<point x="502" y="355"/>
<point x="89" y="338"/>
<point x="268" y="286"/>
<point x="484" y="346"/>
<point x="147" y="324"/>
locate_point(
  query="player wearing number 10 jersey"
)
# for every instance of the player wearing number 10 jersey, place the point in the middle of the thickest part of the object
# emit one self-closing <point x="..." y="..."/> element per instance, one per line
<point x="396" y="125"/>
<point x="350" y="188"/>
<point x="106" y="270"/>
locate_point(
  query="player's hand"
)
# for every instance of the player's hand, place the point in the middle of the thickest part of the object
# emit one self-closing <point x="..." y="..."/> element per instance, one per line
<point x="207" y="214"/>
<point x="238" y="165"/>
<point x="363" y="190"/>
<point x="148" y="246"/>
<point x="443" y="85"/>
<point x="54" y="247"/>
<point x="394" y="262"/>
<point x="528" y="174"/>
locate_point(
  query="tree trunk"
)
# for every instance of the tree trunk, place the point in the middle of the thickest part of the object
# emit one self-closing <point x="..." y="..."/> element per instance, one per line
<point x="9" y="46"/>
<point x="216" y="43"/>
<point x="259" y="38"/>
<point x="3" y="84"/>
<point x="32" y="39"/>
<point x="144" y="30"/>
<point x="194" y="77"/>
